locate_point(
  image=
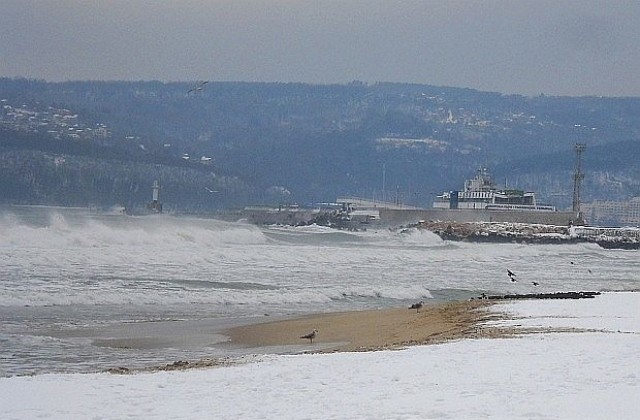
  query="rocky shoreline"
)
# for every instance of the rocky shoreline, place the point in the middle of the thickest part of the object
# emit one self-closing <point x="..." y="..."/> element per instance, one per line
<point x="555" y="295"/>
<point x="524" y="233"/>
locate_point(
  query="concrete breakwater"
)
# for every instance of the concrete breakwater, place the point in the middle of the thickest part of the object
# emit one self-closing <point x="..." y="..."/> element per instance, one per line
<point x="533" y="233"/>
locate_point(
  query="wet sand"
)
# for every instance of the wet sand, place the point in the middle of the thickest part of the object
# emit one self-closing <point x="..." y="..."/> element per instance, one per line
<point x="367" y="330"/>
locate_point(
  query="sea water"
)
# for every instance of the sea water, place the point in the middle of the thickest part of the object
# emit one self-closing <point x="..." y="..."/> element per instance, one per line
<point x="84" y="291"/>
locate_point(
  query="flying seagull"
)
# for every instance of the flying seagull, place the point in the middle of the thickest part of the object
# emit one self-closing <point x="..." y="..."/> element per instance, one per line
<point x="417" y="306"/>
<point x="198" y="87"/>
<point x="511" y="275"/>
<point x="311" y="335"/>
<point x="535" y="283"/>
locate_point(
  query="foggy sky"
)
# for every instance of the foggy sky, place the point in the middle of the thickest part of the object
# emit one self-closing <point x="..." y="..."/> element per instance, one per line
<point x="581" y="47"/>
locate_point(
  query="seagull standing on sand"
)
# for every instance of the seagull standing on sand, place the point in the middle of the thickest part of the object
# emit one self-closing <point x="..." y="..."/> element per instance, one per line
<point x="417" y="306"/>
<point x="311" y="335"/>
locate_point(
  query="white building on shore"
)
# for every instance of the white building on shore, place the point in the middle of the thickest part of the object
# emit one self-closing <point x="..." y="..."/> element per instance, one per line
<point x="612" y="213"/>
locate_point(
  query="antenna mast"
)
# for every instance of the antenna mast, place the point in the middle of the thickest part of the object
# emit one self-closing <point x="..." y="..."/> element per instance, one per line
<point x="578" y="176"/>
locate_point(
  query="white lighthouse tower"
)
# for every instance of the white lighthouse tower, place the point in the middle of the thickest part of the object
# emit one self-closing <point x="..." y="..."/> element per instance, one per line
<point x="155" y="205"/>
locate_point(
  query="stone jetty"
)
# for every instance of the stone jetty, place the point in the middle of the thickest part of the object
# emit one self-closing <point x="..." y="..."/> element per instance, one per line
<point x="610" y="238"/>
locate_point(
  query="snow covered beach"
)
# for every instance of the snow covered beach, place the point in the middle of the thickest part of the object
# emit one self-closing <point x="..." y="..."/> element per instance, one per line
<point x="581" y="363"/>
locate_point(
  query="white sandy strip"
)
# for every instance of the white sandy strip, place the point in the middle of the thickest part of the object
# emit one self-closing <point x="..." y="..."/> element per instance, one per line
<point x="549" y="376"/>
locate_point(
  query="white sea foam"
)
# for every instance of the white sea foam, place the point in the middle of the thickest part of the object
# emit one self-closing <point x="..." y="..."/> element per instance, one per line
<point x="78" y="268"/>
<point x="106" y="231"/>
<point x="122" y="260"/>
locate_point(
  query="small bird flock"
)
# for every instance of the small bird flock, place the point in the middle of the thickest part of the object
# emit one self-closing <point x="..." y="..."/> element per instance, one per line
<point x="512" y="277"/>
<point x="418" y="305"/>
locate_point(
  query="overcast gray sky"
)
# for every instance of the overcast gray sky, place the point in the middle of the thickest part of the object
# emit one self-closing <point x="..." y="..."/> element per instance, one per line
<point x="561" y="47"/>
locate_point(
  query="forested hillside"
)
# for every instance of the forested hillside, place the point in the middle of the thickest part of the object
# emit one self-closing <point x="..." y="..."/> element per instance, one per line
<point x="217" y="145"/>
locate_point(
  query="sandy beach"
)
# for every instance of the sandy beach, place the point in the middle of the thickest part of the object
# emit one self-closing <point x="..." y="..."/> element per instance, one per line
<point x="352" y="331"/>
<point x="368" y="330"/>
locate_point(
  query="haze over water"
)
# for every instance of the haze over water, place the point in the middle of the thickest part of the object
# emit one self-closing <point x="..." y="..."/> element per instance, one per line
<point x="74" y="282"/>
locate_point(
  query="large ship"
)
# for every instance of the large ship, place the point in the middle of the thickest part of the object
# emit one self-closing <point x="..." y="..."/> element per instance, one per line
<point x="481" y="193"/>
<point x="482" y="201"/>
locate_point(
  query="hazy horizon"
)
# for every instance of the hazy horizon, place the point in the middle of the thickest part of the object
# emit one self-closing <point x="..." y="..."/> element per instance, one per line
<point x="573" y="48"/>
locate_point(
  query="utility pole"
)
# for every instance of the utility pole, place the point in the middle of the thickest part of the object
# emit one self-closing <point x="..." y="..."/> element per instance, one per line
<point x="384" y="180"/>
<point x="578" y="176"/>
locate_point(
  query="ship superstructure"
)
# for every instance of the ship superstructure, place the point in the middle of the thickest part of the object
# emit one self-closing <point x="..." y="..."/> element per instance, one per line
<point x="480" y="193"/>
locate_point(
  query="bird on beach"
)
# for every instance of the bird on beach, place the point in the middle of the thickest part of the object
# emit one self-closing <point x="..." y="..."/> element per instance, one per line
<point x="311" y="335"/>
<point x="417" y="306"/>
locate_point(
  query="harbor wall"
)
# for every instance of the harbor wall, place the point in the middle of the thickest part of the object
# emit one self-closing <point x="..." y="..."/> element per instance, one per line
<point x="397" y="217"/>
